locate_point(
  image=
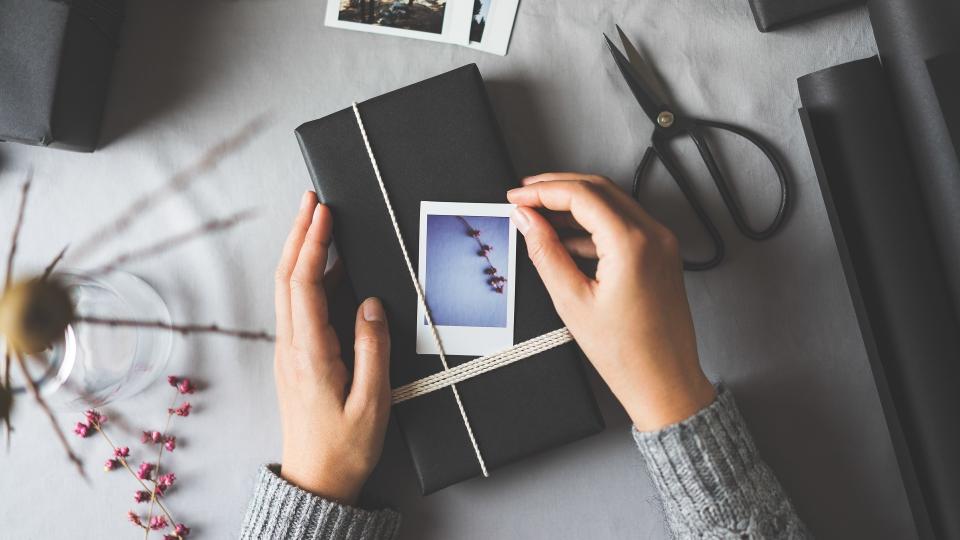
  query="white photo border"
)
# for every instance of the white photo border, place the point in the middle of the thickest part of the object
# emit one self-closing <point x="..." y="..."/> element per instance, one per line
<point x="498" y="28"/>
<point x="466" y="340"/>
<point x="456" y="23"/>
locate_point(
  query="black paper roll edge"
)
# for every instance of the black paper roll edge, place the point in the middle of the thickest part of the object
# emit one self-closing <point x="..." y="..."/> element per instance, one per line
<point x="775" y="14"/>
<point x="895" y="276"/>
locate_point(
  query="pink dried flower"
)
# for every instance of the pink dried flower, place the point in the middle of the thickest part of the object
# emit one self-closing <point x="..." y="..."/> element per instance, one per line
<point x="473" y="233"/>
<point x="490" y="271"/>
<point x="134" y="518"/>
<point x="145" y="471"/>
<point x="82" y="430"/>
<point x="185" y="387"/>
<point x="145" y="437"/>
<point x="181" y="530"/>
<point x="158" y="522"/>
<point x="166" y="480"/>
<point x="156" y="437"/>
<point x="170" y="443"/>
<point x="173" y="380"/>
<point x="95" y="418"/>
<point x="141" y="496"/>
<point x="110" y="465"/>
<point x="122" y="451"/>
<point x="182" y="410"/>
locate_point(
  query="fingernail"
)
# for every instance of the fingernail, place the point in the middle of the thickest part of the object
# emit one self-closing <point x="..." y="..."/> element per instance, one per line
<point x="520" y="219"/>
<point x="372" y="310"/>
<point x="306" y="200"/>
<point x="316" y="212"/>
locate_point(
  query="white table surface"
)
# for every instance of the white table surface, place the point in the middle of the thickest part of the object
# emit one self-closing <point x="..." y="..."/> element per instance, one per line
<point x="775" y="321"/>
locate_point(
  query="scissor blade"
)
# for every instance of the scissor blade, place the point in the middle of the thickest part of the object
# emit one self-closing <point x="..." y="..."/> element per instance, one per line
<point x="644" y="70"/>
<point x="642" y="95"/>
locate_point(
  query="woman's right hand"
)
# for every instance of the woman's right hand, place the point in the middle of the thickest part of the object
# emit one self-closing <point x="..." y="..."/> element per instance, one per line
<point x="632" y="321"/>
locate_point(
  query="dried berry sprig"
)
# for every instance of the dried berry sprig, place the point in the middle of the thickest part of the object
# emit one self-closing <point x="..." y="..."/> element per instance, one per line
<point x="496" y="281"/>
<point x="177" y="183"/>
<point x="183" y="329"/>
<point x="182" y="386"/>
<point x="153" y="482"/>
<point x="207" y="228"/>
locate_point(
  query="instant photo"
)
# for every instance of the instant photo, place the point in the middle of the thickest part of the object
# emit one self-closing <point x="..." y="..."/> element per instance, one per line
<point x="434" y="20"/>
<point x="466" y="268"/>
<point x="491" y="25"/>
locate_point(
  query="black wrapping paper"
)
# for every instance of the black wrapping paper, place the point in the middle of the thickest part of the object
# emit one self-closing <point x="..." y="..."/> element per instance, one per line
<point x="55" y="62"/>
<point x="896" y="279"/>
<point x="773" y="14"/>
<point x="910" y="34"/>
<point x="438" y="140"/>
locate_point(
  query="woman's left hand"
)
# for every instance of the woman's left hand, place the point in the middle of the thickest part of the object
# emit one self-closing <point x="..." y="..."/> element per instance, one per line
<point x="332" y="433"/>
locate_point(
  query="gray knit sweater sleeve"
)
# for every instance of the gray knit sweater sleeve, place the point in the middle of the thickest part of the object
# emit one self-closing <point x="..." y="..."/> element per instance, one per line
<point x="711" y="479"/>
<point x="280" y="510"/>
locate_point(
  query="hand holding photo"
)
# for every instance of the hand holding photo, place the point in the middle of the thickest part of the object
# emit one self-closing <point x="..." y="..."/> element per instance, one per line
<point x="467" y="260"/>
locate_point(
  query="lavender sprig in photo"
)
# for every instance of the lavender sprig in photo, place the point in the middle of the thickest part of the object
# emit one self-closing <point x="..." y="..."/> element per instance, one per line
<point x="496" y="281"/>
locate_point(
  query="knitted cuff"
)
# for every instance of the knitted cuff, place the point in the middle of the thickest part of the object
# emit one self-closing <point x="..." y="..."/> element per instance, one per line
<point x="279" y="509"/>
<point x="711" y="478"/>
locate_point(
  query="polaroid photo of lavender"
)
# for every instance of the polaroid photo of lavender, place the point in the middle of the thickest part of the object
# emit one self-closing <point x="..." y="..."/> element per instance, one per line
<point x="434" y="20"/>
<point x="491" y="25"/>
<point x="466" y="268"/>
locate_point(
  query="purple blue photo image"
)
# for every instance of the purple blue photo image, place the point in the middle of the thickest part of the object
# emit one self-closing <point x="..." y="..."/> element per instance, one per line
<point x="466" y="274"/>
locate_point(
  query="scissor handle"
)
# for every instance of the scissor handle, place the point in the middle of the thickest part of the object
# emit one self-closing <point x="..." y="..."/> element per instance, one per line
<point x="687" y="189"/>
<point x="694" y="129"/>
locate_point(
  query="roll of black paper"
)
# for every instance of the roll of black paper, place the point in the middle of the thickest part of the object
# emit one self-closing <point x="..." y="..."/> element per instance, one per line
<point x="897" y="282"/>
<point x="773" y="14"/>
<point x="910" y="34"/>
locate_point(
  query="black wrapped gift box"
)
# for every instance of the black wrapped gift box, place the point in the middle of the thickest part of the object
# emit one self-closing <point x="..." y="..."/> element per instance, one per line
<point x="55" y="61"/>
<point x="438" y="140"/>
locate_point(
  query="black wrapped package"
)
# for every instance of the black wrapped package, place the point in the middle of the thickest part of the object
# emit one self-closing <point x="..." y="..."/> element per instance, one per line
<point x="438" y="140"/>
<point x="55" y="63"/>
<point x="897" y="282"/>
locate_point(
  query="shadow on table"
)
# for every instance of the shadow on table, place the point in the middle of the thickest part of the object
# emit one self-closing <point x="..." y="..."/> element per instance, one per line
<point x="155" y="69"/>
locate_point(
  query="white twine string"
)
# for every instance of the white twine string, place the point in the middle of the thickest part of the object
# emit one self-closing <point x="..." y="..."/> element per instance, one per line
<point x="419" y="289"/>
<point x="449" y="377"/>
<point x="477" y="366"/>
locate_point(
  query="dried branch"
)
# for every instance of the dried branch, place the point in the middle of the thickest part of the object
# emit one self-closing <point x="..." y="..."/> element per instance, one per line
<point x="53" y="264"/>
<point x="25" y="191"/>
<point x="184" y="329"/>
<point x="179" y="182"/>
<point x="6" y="396"/>
<point x="166" y="429"/>
<point x="49" y="412"/>
<point x="126" y="465"/>
<point x="166" y="244"/>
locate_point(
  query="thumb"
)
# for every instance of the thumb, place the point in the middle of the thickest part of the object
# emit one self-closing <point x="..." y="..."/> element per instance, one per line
<point x="371" y="365"/>
<point x="563" y="280"/>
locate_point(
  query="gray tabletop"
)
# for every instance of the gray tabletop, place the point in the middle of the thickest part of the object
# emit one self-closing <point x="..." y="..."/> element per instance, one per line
<point x="775" y="322"/>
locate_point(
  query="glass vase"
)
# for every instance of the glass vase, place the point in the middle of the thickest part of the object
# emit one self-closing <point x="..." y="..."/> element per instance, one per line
<point x="96" y="364"/>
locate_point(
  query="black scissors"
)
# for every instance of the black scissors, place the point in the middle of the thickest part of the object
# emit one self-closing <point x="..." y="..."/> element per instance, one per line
<point x="669" y="125"/>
